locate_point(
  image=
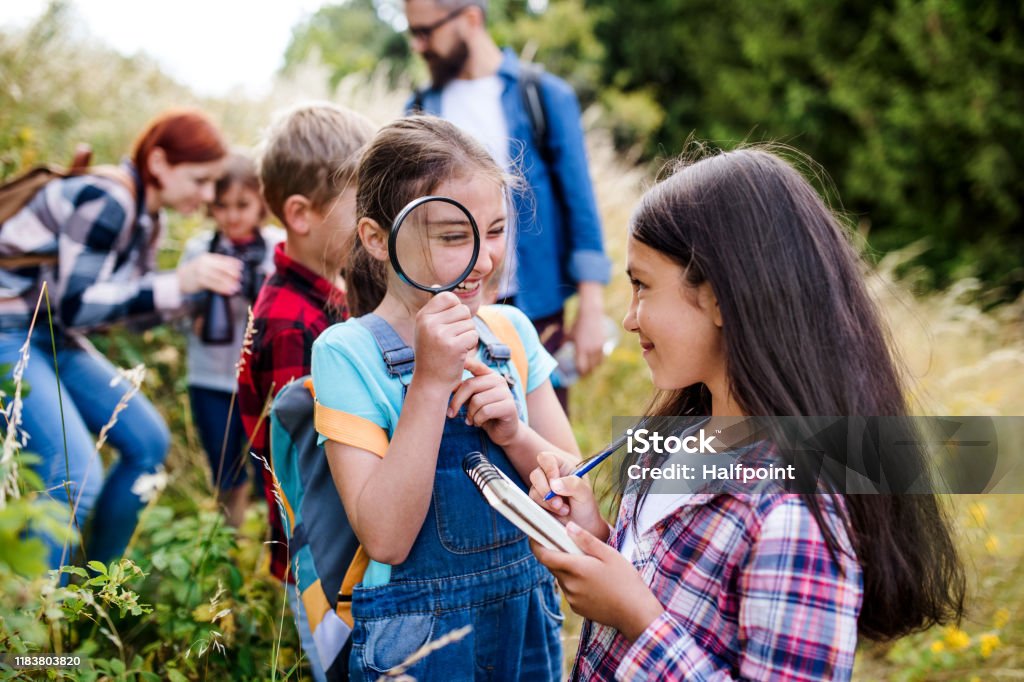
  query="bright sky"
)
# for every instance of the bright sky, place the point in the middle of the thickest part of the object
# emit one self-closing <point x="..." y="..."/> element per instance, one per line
<point x="209" y="45"/>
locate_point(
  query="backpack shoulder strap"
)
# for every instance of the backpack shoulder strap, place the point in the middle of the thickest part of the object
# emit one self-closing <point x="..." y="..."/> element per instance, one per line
<point x="17" y="193"/>
<point x="81" y="165"/>
<point x="14" y="196"/>
<point x="418" y="95"/>
<point x="506" y="332"/>
<point x="533" y="101"/>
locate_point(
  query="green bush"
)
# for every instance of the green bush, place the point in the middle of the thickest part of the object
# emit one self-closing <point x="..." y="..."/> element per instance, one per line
<point x="913" y="108"/>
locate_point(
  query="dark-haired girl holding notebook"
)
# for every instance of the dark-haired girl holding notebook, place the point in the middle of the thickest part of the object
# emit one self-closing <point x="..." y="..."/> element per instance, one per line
<point x="748" y="300"/>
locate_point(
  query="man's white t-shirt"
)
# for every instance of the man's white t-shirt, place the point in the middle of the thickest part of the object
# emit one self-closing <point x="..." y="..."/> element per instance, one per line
<point x="474" y="105"/>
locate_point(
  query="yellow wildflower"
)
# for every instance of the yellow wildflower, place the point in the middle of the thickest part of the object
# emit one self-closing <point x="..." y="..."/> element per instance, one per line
<point x="956" y="639"/>
<point x="989" y="643"/>
<point x="992" y="544"/>
<point x="1001" y="618"/>
<point x="938" y="647"/>
<point x="978" y="513"/>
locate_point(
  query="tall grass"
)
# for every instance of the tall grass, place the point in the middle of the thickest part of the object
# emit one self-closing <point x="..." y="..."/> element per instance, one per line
<point x="216" y="610"/>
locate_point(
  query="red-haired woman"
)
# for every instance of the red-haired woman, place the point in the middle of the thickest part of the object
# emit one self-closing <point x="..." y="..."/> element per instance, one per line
<point x="103" y="232"/>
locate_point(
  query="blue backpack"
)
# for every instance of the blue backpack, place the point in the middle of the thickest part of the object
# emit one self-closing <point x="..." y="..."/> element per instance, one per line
<point x="324" y="551"/>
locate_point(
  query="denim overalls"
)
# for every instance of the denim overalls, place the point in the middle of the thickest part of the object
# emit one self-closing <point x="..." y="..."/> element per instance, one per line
<point x="467" y="566"/>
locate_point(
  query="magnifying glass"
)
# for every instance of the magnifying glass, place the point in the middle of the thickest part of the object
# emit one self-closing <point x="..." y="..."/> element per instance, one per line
<point x="434" y="244"/>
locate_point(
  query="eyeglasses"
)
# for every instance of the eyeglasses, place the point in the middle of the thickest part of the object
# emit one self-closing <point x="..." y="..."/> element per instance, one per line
<point x="424" y="32"/>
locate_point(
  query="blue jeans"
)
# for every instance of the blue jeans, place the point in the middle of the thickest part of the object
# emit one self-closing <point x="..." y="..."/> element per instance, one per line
<point x="85" y="404"/>
<point x="210" y="410"/>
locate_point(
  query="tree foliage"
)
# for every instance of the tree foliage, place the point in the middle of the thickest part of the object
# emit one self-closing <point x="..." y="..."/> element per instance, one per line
<point x="913" y="107"/>
<point x="347" y="38"/>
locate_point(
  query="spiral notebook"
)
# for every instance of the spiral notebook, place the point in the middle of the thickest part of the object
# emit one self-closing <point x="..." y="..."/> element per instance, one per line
<point x="516" y="506"/>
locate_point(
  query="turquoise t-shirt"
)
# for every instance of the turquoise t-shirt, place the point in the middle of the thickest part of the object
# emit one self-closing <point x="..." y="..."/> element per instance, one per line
<point x="349" y="375"/>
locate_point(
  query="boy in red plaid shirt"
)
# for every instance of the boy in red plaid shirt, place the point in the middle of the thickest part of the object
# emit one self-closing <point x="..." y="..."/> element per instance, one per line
<point x="307" y="172"/>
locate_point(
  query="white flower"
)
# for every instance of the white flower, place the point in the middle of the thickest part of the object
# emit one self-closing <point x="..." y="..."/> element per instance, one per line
<point x="146" y="486"/>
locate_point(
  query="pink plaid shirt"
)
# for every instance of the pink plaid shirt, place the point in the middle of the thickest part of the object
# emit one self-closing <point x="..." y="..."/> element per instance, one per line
<point x="750" y="592"/>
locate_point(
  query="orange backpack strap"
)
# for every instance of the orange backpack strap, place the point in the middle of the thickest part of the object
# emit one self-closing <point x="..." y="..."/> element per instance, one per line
<point x="353" y="576"/>
<point x="506" y="332"/>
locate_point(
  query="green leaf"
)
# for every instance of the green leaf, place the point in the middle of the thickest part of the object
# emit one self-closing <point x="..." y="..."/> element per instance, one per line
<point x="98" y="566"/>
<point x="175" y="676"/>
<point x="75" y="570"/>
<point x="180" y="567"/>
<point x="25" y="557"/>
<point x="99" y="580"/>
<point x="160" y="560"/>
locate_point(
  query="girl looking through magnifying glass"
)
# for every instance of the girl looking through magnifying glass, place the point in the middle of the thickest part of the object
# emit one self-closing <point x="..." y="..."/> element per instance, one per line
<point x="411" y="386"/>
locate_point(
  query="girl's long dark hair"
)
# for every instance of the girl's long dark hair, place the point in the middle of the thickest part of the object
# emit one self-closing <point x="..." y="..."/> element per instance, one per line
<point x="803" y="338"/>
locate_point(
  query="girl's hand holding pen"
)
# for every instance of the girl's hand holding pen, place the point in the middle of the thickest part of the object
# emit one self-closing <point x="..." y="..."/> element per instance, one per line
<point x="602" y="586"/>
<point x="574" y="500"/>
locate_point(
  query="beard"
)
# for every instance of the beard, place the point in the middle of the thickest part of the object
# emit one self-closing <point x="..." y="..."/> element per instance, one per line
<point x="444" y="69"/>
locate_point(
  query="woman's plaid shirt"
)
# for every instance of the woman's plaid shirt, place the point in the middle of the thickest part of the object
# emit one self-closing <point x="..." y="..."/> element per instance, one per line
<point x="106" y="247"/>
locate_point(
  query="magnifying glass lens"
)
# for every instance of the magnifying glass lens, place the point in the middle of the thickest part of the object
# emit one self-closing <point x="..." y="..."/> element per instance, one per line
<point x="435" y="244"/>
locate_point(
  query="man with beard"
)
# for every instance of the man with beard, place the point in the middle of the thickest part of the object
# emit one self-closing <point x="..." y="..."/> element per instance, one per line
<point x="557" y="231"/>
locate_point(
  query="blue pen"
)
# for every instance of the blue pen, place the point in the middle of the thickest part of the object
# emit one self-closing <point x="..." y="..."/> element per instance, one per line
<point x="585" y="466"/>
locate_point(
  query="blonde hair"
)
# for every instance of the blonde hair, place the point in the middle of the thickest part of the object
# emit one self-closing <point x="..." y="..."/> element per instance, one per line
<point x="312" y="150"/>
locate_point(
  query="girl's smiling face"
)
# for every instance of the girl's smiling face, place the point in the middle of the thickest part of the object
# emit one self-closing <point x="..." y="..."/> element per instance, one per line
<point x="441" y="242"/>
<point x="678" y="325"/>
